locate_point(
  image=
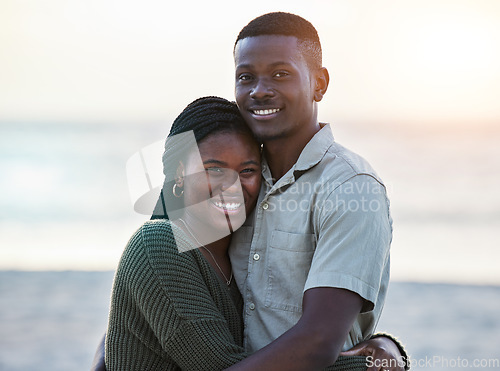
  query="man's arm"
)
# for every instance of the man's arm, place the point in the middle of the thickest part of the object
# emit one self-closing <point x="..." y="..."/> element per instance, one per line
<point x="98" y="363"/>
<point x="316" y="340"/>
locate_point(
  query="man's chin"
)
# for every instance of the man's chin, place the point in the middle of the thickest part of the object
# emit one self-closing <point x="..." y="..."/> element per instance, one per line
<point x="268" y="137"/>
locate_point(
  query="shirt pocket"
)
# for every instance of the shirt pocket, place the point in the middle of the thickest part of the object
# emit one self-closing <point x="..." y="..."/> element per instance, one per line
<point x="289" y="261"/>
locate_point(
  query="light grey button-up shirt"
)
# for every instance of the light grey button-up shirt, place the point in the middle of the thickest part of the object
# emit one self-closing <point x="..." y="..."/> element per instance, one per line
<point x="325" y="223"/>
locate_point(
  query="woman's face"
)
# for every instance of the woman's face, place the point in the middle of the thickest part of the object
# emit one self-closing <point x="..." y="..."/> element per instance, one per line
<point x="222" y="189"/>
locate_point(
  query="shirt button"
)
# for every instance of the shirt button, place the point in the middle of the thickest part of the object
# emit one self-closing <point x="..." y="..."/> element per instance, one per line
<point x="256" y="257"/>
<point x="251" y="306"/>
<point x="265" y="206"/>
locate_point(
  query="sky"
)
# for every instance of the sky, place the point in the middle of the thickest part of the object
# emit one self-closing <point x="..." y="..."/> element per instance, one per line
<point x="415" y="61"/>
<point x="419" y="79"/>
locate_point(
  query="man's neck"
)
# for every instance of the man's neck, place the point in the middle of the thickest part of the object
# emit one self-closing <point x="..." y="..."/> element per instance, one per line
<point x="282" y="154"/>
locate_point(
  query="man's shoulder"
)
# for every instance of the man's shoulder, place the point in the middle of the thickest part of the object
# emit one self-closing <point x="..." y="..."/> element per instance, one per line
<point x="341" y="164"/>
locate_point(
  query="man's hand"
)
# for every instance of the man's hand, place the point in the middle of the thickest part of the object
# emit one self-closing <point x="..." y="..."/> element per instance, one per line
<point x="383" y="354"/>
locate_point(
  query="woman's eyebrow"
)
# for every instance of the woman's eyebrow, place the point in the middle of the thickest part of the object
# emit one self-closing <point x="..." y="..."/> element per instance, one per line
<point x="213" y="161"/>
<point x="251" y="162"/>
<point x="218" y="162"/>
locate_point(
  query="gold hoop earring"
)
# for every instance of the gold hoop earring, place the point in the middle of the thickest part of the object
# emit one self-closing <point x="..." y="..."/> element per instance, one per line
<point x="175" y="194"/>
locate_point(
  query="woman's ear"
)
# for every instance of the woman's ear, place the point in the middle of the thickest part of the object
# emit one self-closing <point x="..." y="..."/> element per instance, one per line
<point x="179" y="175"/>
<point x="322" y="79"/>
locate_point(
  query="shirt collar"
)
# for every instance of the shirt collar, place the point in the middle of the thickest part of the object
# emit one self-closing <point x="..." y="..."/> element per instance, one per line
<point x="315" y="149"/>
<point x="311" y="155"/>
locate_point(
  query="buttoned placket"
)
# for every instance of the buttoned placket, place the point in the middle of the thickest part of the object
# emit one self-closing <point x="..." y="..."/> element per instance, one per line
<point x="256" y="250"/>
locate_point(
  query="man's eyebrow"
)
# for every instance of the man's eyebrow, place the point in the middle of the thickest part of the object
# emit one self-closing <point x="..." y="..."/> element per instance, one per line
<point x="244" y="66"/>
<point x="274" y="64"/>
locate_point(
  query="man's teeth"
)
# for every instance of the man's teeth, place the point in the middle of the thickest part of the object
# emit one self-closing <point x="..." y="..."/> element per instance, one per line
<point x="266" y="111"/>
<point x="228" y="206"/>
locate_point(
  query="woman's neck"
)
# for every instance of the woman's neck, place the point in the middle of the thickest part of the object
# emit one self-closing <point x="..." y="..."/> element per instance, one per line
<point x="203" y="234"/>
<point x="215" y="252"/>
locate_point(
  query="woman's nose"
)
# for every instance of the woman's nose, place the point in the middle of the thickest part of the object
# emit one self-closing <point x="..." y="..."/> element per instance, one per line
<point x="231" y="183"/>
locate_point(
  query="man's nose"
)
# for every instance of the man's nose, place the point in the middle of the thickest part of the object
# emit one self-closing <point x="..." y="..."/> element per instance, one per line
<point x="261" y="89"/>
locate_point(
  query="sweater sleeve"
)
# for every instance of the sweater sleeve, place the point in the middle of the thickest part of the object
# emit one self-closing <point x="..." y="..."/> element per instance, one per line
<point x="165" y="311"/>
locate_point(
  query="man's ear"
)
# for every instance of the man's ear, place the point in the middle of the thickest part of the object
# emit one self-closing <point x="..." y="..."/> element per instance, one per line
<point x="179" y="175"/>
<point x="322" y="79"/>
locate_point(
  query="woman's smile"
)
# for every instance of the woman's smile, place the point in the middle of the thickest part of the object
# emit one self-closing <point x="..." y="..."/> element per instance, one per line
<point x="222" y="189"/>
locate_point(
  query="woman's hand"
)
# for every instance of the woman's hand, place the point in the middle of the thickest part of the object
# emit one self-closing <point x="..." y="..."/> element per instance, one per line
<point x="381" y="352"/>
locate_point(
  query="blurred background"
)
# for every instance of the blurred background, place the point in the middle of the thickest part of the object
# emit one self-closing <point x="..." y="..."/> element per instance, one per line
<point x="414" y="89"/>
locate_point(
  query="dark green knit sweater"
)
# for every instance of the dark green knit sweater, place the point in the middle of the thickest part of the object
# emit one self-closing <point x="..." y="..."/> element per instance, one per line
<point x="170" y="310"/>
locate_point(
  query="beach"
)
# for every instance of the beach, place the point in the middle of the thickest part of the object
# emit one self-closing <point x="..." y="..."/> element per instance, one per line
<point x="54" y="320"/>
<point x="87" y="86"/>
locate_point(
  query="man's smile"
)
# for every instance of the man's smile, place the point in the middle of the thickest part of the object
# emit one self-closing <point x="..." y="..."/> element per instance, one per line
<point x="263" y="112"/>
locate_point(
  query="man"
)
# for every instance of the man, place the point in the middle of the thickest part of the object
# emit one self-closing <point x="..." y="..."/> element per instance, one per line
<point x="312" y="263"/>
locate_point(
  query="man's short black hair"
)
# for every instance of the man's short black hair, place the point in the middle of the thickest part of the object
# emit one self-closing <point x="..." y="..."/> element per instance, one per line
<point x="287" y="24"/>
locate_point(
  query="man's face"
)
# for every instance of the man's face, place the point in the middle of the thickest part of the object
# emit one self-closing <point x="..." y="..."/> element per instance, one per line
<point x="274" y="87"/>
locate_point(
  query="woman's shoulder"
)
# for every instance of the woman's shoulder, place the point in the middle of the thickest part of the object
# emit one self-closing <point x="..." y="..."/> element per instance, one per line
<point x="162" y="239"/>
<point x="165" y="231"/>
<point x="158" y="227"/>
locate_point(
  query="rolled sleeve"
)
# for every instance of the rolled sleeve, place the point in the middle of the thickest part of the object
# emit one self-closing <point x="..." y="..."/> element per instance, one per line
<point x="355" y="232"/>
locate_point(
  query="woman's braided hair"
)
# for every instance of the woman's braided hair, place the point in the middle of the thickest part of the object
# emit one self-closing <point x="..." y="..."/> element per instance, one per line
<point x="209" y="115"/>
<point x="203" y="117"/>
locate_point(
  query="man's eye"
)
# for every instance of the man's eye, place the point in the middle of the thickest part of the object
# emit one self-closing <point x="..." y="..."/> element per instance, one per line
<point x="244" y="77"/>
<point x="281" y="74"/>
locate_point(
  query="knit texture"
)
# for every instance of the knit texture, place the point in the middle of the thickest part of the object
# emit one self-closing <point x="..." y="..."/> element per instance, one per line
<point x="170" y="310"/>
<point x="356" y="363"/>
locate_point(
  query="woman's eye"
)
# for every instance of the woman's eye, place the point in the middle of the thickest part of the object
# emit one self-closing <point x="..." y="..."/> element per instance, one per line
<point x="248" y="171"/>
<point x="214" y="170"/>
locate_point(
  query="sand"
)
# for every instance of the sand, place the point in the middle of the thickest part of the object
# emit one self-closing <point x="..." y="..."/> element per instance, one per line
<point x="53" y="321"/>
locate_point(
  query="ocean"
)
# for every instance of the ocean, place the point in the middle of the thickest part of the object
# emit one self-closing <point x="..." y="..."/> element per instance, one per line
<point x="65" y="204"/>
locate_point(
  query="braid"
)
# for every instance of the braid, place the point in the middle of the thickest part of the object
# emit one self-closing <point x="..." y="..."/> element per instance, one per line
<point x="208" y="115"/>
<point x="204" y="116"/>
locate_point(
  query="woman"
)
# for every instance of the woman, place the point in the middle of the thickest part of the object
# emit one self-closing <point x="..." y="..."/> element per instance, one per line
<point x="175" y="304"/>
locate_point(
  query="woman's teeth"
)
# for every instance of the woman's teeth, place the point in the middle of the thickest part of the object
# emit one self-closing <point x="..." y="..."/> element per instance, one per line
<point x="228" y="206"/>
<point x="263" y="112"/>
